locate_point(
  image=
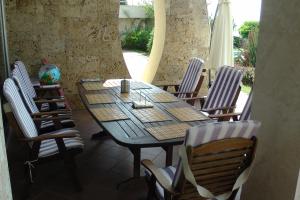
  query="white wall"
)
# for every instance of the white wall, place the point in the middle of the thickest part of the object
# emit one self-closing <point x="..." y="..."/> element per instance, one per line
<point x="5" y="189"/>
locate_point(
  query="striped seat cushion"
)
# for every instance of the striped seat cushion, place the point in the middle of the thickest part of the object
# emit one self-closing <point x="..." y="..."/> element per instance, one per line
<point x="169" y="173"/>
<point x="224" y="88"/>
<point x="68" y="123"/>
<point x="47" y="107"/>
<point x="191" y="77"/>
<point x="49" y="147"/>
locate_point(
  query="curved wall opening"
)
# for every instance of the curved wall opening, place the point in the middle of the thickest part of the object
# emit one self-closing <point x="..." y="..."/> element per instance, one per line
<point x="136" y="28"/>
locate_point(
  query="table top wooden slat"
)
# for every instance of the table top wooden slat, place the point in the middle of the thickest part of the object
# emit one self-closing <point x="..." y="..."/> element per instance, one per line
<point x="131" y="132"/>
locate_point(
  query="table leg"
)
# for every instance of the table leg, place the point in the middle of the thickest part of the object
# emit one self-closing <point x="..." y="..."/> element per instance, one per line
<point x="169" y="155"/>
<point x="137" y="162"/>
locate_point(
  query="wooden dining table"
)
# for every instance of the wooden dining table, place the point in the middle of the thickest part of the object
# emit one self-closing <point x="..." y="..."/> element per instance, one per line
<point x="131" y="132"/>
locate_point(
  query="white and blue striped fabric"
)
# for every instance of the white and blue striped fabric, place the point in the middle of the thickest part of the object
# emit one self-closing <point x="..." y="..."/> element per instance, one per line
<point x="16" y="75"/>
<point x="224" y="88"/>
<point x="27" y="126"/>
<point x="31" y="105"/>
<point x="19" y="110"/>
<point x="191" y="77"/>
<point x="207" y="133"/>
<point x="49" y="147"/>
<point x="19" y="65"/>
<point x="246" y="113"/>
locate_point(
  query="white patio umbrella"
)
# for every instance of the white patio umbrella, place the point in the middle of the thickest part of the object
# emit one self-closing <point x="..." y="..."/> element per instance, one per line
<point x="221" y="47"/>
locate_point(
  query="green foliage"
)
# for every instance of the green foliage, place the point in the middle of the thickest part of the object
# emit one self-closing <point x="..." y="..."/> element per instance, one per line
<point x="252" y="46"/>
<point x="149" y="10"/>
<point x="237" y="42"/>
<point x="249" y="74"/>
<point x="247" y="27"/>
<point x="136" y="39"/>
<point x="150" y="41"/>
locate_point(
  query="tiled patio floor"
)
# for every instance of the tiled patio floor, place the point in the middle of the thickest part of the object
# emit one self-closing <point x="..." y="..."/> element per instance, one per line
<point x="101" y="166"/>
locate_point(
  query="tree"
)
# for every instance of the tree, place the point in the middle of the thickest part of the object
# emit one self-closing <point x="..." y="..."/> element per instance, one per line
<point x="247" y="27"/>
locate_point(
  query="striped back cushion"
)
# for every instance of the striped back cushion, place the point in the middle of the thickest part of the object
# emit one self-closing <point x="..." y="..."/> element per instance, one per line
<point x="246" y="113"/>
<point x="217" y="131"/>
<point x="19" y="110"/>
<point x="21" y="67"/>
<point x="16" y="75"/>
<point x="224" y="88"/>
<point x="191" y="77"/>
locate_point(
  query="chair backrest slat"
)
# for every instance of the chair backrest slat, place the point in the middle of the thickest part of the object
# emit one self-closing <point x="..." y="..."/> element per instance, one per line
<point x="30" y="104"/>
<point x="19" y="110"/>
<point x="191" y="77"/>
<point x="218" y="153"/>
<point x="224" y="88"/>
<point x="21" y="67"/>
<point x="246" y="113"/>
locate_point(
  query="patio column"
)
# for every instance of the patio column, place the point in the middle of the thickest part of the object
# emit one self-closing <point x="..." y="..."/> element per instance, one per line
<point x="276" y="103"/>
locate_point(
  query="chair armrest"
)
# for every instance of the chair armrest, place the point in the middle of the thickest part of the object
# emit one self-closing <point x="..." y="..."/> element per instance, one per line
<point x="47" y="136"/>
<point x="148" y="164"/>
<point x="167" y="85"/>
<point x="224" y="116"/>
<point x="48" y="87"/>
<point x="56" y="112"/>
<point x="49" y="101"/>
<point x="189" y="93"/>
<point x="50" y="118"/>
<point x="193" y="98"/>
<point x="215" y="109"/>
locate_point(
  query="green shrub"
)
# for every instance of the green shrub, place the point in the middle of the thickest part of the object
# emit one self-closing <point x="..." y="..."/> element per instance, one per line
<point x="252" y="46"/>
<point x="247" y="27"/>
<point x="237" y="42"/>
<point x="249" y="75"/>
<point x="150" y="42"/>
<point x="136" y="39"/>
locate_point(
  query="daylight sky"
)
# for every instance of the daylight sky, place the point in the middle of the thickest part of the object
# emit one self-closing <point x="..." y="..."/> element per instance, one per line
<point x="242" y="10"/>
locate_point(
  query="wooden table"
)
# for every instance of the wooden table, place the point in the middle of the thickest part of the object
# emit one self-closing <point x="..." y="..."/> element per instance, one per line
<point x="131" y="132"/>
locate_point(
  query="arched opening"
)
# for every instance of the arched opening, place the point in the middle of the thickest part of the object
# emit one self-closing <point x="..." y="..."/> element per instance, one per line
<point x="136" y="29"/>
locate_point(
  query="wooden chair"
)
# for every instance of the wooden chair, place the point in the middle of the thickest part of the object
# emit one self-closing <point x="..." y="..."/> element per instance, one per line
<point x="223" y="93"/>
<point x="217" y="154"/>
<point x="56" y="100"/>
<point x="63" y="143"/>
<point x="191" y="82"/>
<point x="42" y="112"/>
<point x="244" y="115"/>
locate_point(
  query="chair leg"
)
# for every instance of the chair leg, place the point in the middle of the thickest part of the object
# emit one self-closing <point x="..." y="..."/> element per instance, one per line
<point x="28" y="182"/>
<point x="151" y="188"/>
<point x="72" y="169"/>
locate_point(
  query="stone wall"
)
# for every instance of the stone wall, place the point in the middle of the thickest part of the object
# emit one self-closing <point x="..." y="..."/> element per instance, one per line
<point x="187" y="36"/>
<point x="80" y="36"/>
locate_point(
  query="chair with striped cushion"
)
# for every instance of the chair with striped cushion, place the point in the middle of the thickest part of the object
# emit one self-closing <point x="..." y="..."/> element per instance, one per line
<point x="46" y="125"/>
<point x="223" y="93"/>
<point x="217" y="155"/>
<point x="244" y="115"/>
<point x="191" y="81"/>
<point x="61" y="144"/>
<point x="56" y="101"/>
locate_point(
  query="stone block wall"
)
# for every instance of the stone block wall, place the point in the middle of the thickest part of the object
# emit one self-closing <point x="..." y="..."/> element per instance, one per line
<point x="80" y="36"/>
<point x="187" y="36"/>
